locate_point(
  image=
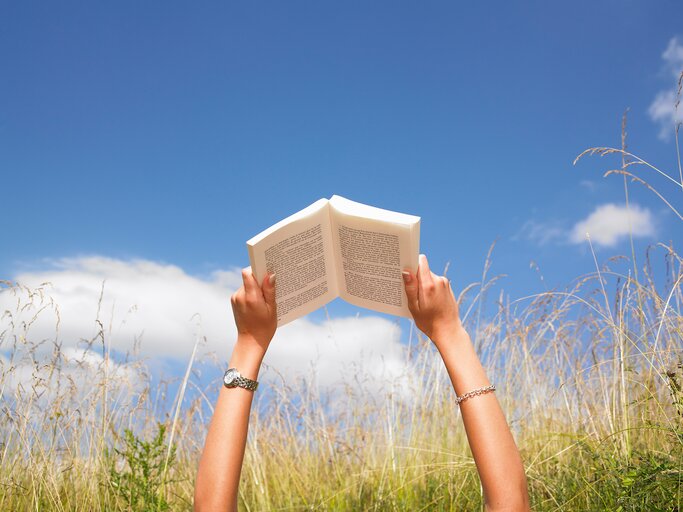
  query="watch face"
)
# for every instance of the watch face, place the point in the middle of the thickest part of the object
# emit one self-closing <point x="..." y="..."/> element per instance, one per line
<point x="230" y="377"/>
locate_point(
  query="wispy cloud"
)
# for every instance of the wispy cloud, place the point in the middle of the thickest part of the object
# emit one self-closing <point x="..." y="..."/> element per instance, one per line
<point x="589" y="185"/>
<point x="541" y="233"/>
<point x="609" y="223"/>
<point x="663" y="108"/>
<point x="156" y="308"/>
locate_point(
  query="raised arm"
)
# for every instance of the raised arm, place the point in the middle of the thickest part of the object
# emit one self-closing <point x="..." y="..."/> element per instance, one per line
<point x="221" y="462"/>
<point x="498" y="462"/>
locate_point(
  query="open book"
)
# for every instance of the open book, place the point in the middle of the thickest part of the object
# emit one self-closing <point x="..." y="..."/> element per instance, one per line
<point x="338" y="248"/>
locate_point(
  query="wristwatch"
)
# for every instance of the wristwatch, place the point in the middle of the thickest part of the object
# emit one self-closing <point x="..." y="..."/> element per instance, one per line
<point x="232" y="378"/>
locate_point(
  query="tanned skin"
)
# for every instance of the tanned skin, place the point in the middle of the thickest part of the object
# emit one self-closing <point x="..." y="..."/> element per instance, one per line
<point x="435" y="312"/>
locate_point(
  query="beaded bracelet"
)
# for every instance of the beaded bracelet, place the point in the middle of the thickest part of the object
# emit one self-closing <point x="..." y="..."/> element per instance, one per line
<point x="476" y="392"/>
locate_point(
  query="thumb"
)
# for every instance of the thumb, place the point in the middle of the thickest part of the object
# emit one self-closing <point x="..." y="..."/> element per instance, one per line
<point x="268" y="289"/>
<point x="410" y="282"/>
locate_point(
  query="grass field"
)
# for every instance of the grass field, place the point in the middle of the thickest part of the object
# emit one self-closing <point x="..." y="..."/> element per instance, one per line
<point x="590" y="378"/>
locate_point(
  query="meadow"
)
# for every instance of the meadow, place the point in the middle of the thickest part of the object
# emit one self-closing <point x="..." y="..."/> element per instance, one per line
<point x="590" y="378"/>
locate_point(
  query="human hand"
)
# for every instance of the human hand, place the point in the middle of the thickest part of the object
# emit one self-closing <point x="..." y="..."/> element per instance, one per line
<point x="432" y="303"/>
<point x="254" y="309"/>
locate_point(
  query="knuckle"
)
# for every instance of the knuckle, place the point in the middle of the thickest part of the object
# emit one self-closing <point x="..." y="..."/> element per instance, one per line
<point x="237" y="297"/>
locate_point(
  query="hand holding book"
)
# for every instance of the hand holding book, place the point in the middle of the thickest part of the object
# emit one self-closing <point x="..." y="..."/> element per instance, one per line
<point x="338" y="248"/>
<point x="432" y="303"/>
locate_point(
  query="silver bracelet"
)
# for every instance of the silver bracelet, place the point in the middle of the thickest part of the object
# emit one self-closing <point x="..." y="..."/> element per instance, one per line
<point x="476" y="392"/>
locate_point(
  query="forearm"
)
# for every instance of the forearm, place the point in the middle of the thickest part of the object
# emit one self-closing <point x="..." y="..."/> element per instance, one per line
<point x="220" y="466"/>
<point x="493" y="447"/>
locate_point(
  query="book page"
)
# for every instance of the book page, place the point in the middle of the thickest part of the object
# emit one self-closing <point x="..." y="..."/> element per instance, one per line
<point x="372" y="247"/>
<point x="299" y="251"/>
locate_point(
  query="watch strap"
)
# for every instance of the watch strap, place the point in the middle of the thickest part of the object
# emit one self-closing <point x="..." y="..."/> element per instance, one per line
<point x="245" y="383"/>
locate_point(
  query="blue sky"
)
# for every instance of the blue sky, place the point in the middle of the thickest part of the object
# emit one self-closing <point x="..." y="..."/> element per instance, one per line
<point x="173" y="132"/>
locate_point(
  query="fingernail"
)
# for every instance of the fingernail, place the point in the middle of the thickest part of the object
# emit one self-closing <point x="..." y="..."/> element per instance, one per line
<point x="271" y="279"/>
<point x="406" y="276"/>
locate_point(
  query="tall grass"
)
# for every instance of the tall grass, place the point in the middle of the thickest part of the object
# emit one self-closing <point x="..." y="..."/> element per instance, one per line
<point x="590" y="378"/>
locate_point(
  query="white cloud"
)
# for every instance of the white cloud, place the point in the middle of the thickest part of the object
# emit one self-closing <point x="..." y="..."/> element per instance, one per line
<point x="81" y="368"/>
<point x="609" y="223"/>
<point x="152" y="301"/>
<point x="663" y="110"/>
<point x="159" y="305"/>
<point x="368" y="347"/>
